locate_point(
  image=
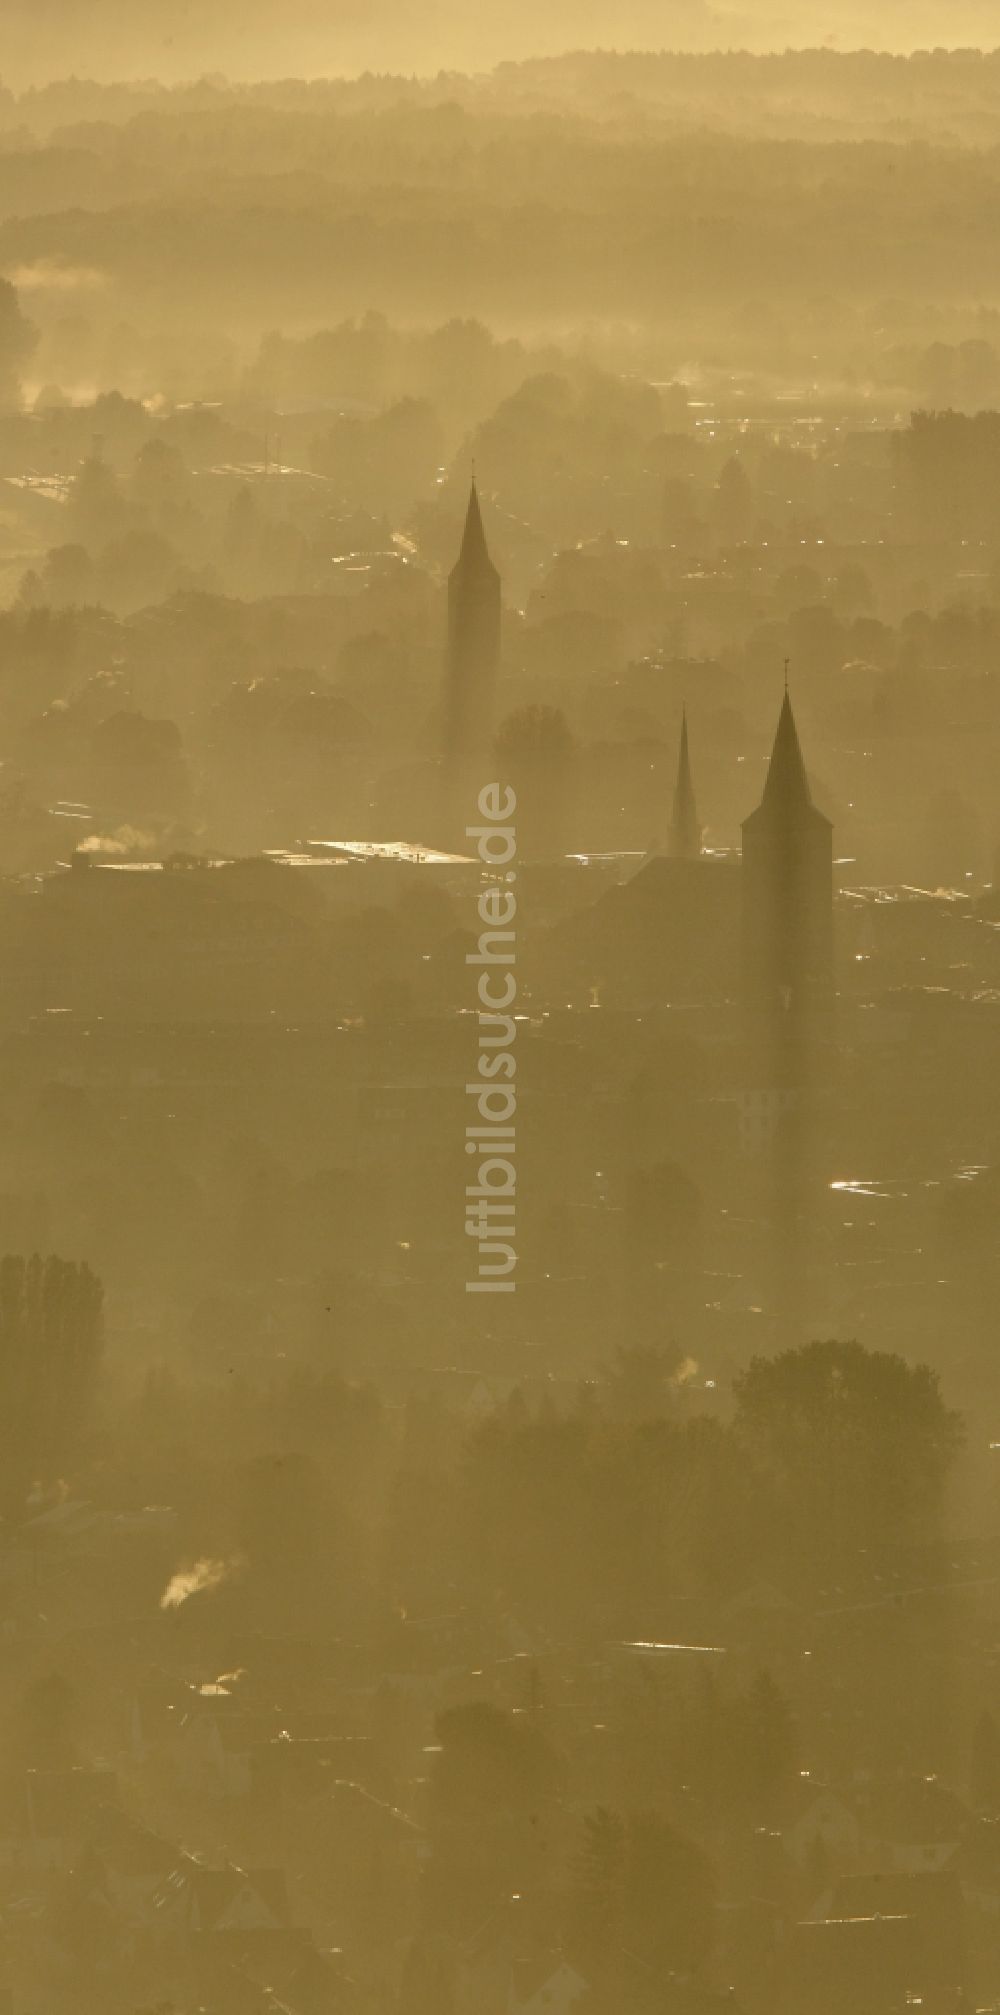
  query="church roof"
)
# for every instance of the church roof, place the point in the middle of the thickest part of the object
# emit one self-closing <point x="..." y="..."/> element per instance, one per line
<point x="685" y="830"/>
<point x="786" y="794"/>
<point x="473" y="553"/>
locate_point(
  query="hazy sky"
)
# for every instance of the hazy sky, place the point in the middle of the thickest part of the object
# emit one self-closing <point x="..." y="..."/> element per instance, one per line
<point x="181" y="38"/>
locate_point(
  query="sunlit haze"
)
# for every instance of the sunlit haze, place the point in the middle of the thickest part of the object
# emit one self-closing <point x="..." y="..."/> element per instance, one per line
<point x="499" y="1008"/>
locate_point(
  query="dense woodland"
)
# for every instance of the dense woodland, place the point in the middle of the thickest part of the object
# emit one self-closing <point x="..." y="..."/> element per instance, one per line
<point x="714" y="201"/>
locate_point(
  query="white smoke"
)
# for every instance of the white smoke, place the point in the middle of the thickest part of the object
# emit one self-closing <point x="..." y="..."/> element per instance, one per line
<point x="126" y="840"/>
<point x="197" y="1580"/>
<point x="51" y="276"/>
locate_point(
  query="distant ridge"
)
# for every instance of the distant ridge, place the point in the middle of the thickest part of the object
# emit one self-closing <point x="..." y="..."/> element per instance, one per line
<point x="112" y="40"/>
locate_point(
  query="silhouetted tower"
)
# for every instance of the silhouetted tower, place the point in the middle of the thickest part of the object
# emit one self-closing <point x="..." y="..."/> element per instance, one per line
<point x="787" y="896"/>
<point x="787" y="903"/>
<point x="685" y="830"/>
<point x="473" y="645"/>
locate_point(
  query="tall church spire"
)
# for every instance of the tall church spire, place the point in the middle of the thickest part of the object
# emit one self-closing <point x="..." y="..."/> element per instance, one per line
<point x="685" y="830"/>
<point x="787" y="887"/>
<point x="473" y="643"/>
<point x="787" y="787"/>
<point x="473" y="551"/>
<point x="788" y="999"/>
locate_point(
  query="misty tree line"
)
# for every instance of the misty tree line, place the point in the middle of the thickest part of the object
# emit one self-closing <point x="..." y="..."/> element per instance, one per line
<point x="832" y="1452"/>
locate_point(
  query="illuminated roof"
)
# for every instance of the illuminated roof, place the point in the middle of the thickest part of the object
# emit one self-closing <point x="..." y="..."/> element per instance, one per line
<point x="392" y="850"/>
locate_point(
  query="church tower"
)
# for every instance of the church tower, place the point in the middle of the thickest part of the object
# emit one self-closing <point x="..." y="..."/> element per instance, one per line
<point x="473" y="646"/>
<point x="787" y="905"/>
<point x="787" y="896"/>
<point x="685" y="830"/>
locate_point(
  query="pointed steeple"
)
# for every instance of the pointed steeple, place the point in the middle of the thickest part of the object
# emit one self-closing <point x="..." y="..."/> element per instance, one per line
<point x="787" y="783"/>
<point x="473" y="554"/>
<point x="685" y="831"/>
<point x="787" y="798"/>
<point x="473" y="643"/>
<point x="787" y="879"/>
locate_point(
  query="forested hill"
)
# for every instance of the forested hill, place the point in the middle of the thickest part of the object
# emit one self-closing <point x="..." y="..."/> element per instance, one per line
<point x="175" y="39"/>
<point x="936" y="95"/>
